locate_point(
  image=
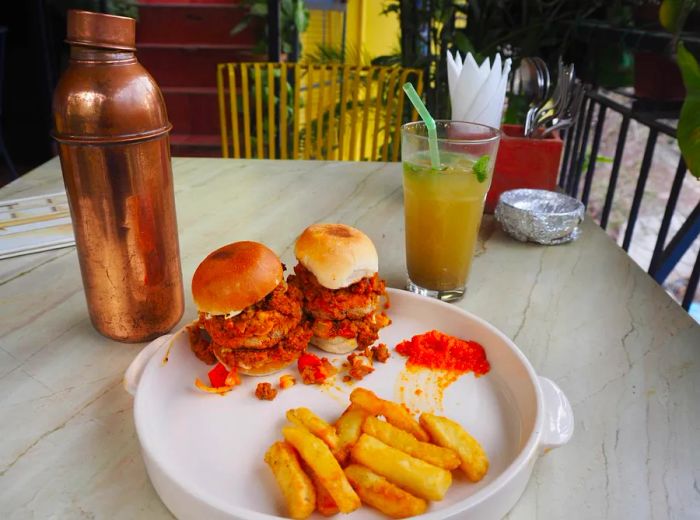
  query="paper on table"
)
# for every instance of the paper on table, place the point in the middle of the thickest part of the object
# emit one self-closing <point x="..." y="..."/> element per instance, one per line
<point x="34" y="224"/>
<point x="477" y="92"/>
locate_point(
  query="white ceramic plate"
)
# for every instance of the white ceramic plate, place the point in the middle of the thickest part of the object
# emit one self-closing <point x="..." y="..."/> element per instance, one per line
<point x="204" y="452"/>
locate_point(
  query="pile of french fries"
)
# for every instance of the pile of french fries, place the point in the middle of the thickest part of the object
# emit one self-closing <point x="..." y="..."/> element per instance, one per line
<point x="395" y="465"/>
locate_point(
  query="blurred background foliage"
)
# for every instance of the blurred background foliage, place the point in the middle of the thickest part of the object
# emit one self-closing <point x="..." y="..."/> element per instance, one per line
<point x="515" y="28"/>
<point x="294" y="20"/>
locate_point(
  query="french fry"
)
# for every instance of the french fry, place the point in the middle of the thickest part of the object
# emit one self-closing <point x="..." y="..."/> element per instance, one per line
<point x="296" y="486"/>
<point x="379" y="493"/>
<point x="349" y="428"/>
<point x="307" y="419"/>
<point x="394" y="413"/>
<point x="449" y="434"/>
<point x="319" y="457"/>
<point x="413" y="475"/>
<point x="324" y="501"/>
<point x="404" y="441"/>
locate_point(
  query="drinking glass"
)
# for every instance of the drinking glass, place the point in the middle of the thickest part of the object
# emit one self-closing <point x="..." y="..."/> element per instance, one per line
<point x="443" y="207"/>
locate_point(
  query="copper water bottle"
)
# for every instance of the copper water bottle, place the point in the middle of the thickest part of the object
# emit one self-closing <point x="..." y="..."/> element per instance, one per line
<point x="112" y="129"/>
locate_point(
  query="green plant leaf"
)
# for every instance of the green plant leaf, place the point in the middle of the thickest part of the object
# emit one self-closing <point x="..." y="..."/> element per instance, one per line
<point x="462" y="43"/>
<point x="518" y="105"/>
<point x="690" y="70"/>
<point x="301" y="17"/>
<point x="481" y="168"/>
<point x="123" y="8"/>
<point x="240" y="26"/>
<point x="259" y="9"/>
<point x="287" y="7"/>
<point x="670" y="14"/>
<point x="688" y="132"/>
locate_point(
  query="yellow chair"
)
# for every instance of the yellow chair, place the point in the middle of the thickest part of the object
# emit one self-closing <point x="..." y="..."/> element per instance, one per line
<point x="329" y="112"/>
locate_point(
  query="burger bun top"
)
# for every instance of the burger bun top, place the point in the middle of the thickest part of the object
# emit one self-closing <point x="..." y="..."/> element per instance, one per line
<point x="234" y="277"/>
<point x="338" y="255"/>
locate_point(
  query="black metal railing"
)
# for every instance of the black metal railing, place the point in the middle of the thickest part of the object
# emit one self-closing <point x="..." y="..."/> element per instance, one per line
<point x="577" y="151"/>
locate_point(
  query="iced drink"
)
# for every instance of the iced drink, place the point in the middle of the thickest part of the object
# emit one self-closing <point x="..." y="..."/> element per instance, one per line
<point x="443" y="211"/>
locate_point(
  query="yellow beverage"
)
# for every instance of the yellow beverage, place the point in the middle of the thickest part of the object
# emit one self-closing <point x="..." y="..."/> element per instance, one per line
<point x="443" y="213"/>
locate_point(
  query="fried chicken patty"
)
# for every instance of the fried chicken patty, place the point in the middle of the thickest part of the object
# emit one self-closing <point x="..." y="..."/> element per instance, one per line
<point x="365" y="330"/>
<point x="200" y="343"/>
<point x="261" y="325"/>
<point x="286" y="350"/>
<point x="353" y="302"/>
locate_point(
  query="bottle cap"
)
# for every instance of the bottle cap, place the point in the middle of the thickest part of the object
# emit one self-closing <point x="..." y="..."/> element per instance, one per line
<point x="104" y="31"/>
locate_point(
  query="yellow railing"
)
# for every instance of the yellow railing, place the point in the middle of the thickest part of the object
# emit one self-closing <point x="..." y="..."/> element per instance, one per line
<point x="312" y="111"/>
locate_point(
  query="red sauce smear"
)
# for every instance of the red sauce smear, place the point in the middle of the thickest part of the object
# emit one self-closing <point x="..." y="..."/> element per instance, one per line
<point x="437" y="350"/>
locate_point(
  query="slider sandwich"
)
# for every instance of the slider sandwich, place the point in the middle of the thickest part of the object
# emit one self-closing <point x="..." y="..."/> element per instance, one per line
<point x="342" y="292"/>
<point x="249" y="318"/>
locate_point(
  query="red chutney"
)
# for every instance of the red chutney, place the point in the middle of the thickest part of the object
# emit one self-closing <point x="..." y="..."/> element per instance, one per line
<point x="437" y="350"/>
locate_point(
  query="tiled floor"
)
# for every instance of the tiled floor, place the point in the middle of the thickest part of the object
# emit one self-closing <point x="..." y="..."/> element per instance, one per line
<point x="666" y="156"/>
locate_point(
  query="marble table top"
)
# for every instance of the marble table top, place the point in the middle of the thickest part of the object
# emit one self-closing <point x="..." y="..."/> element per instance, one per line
<point x="587" y="317"/>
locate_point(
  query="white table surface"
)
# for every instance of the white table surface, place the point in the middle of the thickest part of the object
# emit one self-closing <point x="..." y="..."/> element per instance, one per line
<point x="626" y="355"/>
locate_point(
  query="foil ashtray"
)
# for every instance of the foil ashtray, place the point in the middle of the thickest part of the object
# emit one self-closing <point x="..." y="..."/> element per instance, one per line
<point x="545" y="217"/>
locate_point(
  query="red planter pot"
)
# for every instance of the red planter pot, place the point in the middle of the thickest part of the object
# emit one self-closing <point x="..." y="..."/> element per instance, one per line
<point x="524" y="163"/>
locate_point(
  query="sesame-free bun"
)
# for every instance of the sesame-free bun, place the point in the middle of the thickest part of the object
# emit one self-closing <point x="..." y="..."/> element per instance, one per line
<point x="336" y="254"/>
<point x="234" y="277"/>
<point x="337" y="345"/>
<point x="269" y="367"/>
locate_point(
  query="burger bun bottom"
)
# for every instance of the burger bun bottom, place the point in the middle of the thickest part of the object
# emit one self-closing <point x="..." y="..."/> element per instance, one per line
<point x="336" y="345"/>
<point x="265" y="369"/>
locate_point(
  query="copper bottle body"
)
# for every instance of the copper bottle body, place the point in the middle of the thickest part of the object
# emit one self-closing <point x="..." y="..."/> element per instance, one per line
<point x="112" y="130"/>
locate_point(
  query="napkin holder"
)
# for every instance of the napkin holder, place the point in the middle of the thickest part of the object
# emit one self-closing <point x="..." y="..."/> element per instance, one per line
<point x="523" y="162"/>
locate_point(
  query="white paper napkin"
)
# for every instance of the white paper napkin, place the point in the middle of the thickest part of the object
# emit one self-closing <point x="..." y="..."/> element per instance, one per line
<point x="477" y="93"/>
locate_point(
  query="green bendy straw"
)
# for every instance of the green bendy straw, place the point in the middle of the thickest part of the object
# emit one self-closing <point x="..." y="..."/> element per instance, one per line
<point x="429" y="124"/>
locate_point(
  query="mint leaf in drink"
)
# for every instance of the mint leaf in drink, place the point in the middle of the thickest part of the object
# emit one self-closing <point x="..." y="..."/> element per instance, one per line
<point x="481" y="168"/>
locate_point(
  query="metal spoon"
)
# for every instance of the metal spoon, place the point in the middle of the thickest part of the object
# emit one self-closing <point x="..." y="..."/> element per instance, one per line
<point x="544" y="83"/>
<point x="557" y="95"/>
<point x="532" y="86"/>
<point x="525" y="80"/>
<point x="544" y="71"/>
<point x="560" y="97"/>
<point x="562" y="123"/>
<point x="572" y="110"/>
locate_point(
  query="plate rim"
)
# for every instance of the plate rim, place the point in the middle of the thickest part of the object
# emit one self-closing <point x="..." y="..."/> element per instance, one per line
<point x="524" y="456"/>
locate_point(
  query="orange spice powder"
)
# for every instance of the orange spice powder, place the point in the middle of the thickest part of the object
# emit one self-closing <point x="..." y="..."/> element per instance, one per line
<point x="437" y="350"/>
